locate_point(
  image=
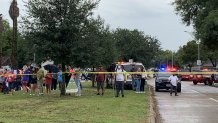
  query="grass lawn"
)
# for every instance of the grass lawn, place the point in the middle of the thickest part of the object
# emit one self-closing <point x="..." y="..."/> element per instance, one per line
<point x="89" y="108"/>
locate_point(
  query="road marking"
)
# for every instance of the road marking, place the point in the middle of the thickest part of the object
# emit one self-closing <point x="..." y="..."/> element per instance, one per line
<point x="196" y="91"/>
<point x="214" y="99"/>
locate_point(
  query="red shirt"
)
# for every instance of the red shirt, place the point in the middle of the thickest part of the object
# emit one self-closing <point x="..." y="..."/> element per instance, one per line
<point x="48" y="78"/>
<point x="100" y="77"/>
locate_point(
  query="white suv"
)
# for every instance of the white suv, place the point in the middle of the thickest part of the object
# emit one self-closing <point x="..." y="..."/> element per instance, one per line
<point x="127" y="66"/>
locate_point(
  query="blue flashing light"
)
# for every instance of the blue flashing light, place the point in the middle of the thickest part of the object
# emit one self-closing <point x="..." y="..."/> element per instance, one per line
<point x="162" y="69"/>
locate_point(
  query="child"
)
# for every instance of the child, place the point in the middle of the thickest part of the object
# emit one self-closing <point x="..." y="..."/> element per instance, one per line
<point x="48" y="82"/>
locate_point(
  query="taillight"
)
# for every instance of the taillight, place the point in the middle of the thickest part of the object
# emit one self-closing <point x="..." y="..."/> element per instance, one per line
<point x="199" y="76"/>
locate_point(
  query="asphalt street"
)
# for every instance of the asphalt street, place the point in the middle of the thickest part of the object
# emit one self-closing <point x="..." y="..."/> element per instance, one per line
<point x="195" y="104"/>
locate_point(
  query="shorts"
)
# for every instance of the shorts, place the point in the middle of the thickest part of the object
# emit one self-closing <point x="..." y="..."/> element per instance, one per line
<point x="24" y="83"/>
<point x="100" y="85"/>
<point x="11" y="85"/>
<point x="33" y="82"/>
<point x="48" y="85"/>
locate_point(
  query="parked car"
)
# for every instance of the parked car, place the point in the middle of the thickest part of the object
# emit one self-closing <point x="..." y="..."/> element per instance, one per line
<point x="184" y="76"/>
<point x="202" y="78"/>
<point x="162" y="82"/>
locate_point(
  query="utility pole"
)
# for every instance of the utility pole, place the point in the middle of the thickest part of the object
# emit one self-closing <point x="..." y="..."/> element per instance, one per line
<point x="1" y="30"/>
<point x="14" y="13"/>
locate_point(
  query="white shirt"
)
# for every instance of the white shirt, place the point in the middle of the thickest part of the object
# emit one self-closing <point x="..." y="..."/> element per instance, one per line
<point x="120" y="76"/>
<point x="173" y="80"/>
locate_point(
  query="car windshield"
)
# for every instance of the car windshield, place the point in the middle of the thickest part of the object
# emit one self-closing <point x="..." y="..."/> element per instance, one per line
<point x="164" y="75"/>
<point x="128" y="68"/>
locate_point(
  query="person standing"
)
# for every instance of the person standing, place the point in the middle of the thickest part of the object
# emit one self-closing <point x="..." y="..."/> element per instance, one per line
<point x="40" y="76"/>
<point x="10" y="80"/>
<point x="25" y="79"/>
<point x="119" y="79"/>
<point x="48" y="82"/>
<point x="143" y="79"/>
<point x="33" y="81"/>
<point x="100" y="79"/>
<point x="138" y="80"/>
<point x="61" y="83"/>
<point x="133" y="77"/>
<point x="78" y="81"/>
<point x="173" y="81"/>
<point x="54" y="81"/>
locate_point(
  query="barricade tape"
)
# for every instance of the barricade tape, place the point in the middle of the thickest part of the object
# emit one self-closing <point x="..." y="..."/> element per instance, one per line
<point x="178" y="73"/>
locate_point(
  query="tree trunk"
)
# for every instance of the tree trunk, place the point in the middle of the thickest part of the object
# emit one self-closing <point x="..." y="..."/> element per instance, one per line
<point x="213" y="62"/>
<point x="93" y="77"/>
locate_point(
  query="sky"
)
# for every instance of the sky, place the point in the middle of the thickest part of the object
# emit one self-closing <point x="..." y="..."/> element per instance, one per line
<point x="156" y="18"/>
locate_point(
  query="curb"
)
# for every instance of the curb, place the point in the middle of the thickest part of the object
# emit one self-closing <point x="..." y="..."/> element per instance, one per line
<point x="154" y="115"/>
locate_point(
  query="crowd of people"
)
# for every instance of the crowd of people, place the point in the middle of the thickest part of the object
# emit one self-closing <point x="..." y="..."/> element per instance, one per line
<point x="35" y="80"/>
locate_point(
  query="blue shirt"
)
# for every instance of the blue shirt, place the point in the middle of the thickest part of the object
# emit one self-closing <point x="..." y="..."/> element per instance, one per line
<point x="26" y="77"/>
<point x="60" y="79"/>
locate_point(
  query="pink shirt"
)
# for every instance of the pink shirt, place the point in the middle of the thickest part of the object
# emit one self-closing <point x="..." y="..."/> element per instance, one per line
<point x="72" y="73"/>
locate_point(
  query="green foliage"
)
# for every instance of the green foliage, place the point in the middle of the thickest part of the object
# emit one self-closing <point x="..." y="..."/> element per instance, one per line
<point x="96" y="45"/>
<point x="133" y="44"/>
<point x="203" y="15"/>
<point x="208" y="31"/>
<point x="6" y="39"/>
<point x="54" y="26"/>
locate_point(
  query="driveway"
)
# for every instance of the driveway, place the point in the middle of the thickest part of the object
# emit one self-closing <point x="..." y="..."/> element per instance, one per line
<point x="195" y="104"/>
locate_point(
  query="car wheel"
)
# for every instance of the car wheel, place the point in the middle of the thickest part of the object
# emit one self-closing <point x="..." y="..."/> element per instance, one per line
<point x="195" y="83"/>
<point x="179" y="87"/>
<point x="82" y="78"/>
<point x="156" y="89"/>
<point x="206" y="82"/>
<point x="210" y="83"/>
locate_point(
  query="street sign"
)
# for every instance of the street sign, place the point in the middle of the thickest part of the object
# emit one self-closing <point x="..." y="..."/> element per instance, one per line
<point x="198" y="62"/>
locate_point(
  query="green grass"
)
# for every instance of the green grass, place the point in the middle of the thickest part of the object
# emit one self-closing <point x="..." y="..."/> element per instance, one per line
<point x="89" y="108"/>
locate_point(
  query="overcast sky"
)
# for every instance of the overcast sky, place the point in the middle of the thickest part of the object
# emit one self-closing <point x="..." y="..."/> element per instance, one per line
<point x="155" y="17"/>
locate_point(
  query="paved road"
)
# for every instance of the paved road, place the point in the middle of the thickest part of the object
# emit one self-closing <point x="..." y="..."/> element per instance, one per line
<point x="195" y="104"/>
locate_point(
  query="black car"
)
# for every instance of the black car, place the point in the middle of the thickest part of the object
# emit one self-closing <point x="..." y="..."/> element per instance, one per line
<point x="162" y="82"/>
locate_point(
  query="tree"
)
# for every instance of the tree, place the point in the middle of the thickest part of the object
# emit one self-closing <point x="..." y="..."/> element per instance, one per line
<point x="203" y="15"/>
<point x="96" y="46"/>
<point x="54" y="26"/>
<point x="133" y="44"/>
<point x="22" y="47"/>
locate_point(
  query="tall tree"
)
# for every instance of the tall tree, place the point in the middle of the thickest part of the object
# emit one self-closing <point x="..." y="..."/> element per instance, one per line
<point x="203" y="15"/>
<point x="55" y="25"/>
<point x="133" y="44"/>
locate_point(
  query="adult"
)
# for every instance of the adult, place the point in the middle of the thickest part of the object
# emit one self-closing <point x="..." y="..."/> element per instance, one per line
<point x="40" y="76"/>
<point x="173" y="80"/>
<point x="137" y="79"/>
<point x="54" y="81"/>
<point x="25" y="78"/>
<point x="33" y="81"/>
<point x="61" y="83"/>
<point x="67" y="75"/>
<point x="100" y="79"/>
<point x="78" y="81"/>
<point x="133" y="77"/>
<point x="143" y="80"/>
<point x="119" y="79"/>
<point x="10" y="80"/>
